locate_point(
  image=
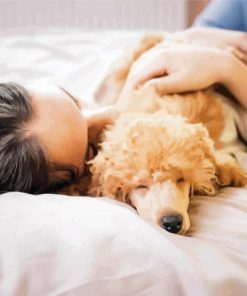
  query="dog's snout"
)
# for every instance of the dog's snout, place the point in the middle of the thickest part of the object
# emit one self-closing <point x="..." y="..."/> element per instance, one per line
<point x="172" y="223"/>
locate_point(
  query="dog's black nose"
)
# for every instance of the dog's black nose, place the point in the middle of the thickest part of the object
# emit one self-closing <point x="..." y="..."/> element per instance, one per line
<point x="172" y="223"/>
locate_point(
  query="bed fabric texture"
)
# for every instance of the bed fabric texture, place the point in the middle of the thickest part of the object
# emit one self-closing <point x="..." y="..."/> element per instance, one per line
<point x="53" y="245"/>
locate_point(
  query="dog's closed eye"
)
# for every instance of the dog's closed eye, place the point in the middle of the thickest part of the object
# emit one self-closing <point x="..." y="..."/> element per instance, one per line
<point x="142" y="187"/>
<point x="180" y="180"/>
<point x="128" y="201"/>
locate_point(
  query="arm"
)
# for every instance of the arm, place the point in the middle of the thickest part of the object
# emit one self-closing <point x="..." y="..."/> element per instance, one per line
<point x="223" y="14"/>
<point x="181" y="68"/>
<point x="236" y="80"/>
<point x="218" y="38"/>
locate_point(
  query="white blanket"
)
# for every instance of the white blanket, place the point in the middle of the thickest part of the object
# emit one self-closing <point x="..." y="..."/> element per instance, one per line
<point x="53" y="245"/>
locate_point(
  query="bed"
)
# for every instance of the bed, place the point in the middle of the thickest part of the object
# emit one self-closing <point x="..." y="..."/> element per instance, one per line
<point x="59" y="245"/>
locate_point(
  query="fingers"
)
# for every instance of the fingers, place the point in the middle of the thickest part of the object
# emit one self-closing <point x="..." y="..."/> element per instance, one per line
<point x="150" y="76"/>
<point x="242" y="55"/>
<point x="244" y="59"/>
<point x="151" y="64"/>
<point x="146" y="70"/>
<point x="173" y="83"/>
<point x="240" y="42"/>
<point x="240" y="46"/>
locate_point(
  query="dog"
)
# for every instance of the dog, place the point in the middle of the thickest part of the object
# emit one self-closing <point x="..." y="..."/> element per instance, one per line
<point x="162" y="149"/>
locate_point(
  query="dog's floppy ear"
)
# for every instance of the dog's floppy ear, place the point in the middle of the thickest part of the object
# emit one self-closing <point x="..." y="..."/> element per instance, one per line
<point x="106" y="178"/>
<point x="97" y="166"/>
<point x="205" y="180"/>
<point x="229" y="172"/>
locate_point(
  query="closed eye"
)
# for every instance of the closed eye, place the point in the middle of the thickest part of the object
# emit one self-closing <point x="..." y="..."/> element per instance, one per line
<point x="128" y="201"/>
<point x="142" y="187"/>
<point x="71" y="97"/>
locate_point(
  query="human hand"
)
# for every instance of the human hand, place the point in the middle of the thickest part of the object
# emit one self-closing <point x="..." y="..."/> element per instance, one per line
<point x="98" y="119"/>
<point x="240" y="45"/>
<point x="172" y="67"/>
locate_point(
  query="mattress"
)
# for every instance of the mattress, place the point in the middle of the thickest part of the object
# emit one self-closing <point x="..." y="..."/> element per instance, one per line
<point x="58" y="245"/>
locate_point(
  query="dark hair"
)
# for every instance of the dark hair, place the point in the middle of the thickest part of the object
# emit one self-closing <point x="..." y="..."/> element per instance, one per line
<point x="23" y="162"/>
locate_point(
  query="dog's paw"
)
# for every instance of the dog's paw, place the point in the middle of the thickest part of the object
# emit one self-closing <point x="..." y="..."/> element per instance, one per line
<point x="229" y="173"/>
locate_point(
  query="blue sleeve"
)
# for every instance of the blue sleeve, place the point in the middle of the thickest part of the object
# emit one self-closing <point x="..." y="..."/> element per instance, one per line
<point x="225" y="14"/>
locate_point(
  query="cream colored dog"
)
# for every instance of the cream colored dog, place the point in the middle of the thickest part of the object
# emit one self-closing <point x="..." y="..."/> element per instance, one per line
<point x="162" y="149"/>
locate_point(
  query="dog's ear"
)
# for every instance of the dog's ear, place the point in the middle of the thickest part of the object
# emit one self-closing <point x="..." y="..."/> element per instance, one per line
<point x="206" y="180"/>
<point x="105" y="180"/>
<point x="229" y="172"/>
<point x="205" y="142"/>
<point x="96" y="167"/>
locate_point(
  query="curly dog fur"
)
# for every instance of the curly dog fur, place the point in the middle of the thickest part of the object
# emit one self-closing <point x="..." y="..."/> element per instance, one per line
<point x="162" y="149"/>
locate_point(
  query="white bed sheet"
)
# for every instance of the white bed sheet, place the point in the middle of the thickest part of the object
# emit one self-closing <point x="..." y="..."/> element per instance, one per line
<point x="53" y="245"/>
<point x="75" y="59"/>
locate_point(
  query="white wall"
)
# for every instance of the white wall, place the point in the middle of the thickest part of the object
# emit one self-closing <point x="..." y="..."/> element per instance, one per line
<point x="94" y="14"/>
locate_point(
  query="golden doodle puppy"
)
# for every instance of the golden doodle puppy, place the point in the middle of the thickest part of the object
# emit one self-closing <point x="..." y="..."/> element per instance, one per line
<point x="162" y="149"/>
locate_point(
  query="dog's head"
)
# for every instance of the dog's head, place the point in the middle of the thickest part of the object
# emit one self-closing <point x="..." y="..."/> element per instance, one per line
<point x="155" y="161"/>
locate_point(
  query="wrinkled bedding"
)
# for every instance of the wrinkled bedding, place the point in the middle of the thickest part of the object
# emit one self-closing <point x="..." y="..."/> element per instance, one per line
<point x="53" y="245"/>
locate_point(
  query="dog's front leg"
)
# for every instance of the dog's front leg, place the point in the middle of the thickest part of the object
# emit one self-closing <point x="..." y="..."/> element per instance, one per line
<point x="228" y="171"/>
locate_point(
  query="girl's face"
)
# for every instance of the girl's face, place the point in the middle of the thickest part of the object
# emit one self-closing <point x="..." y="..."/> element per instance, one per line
<point x="64" y="126"/>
